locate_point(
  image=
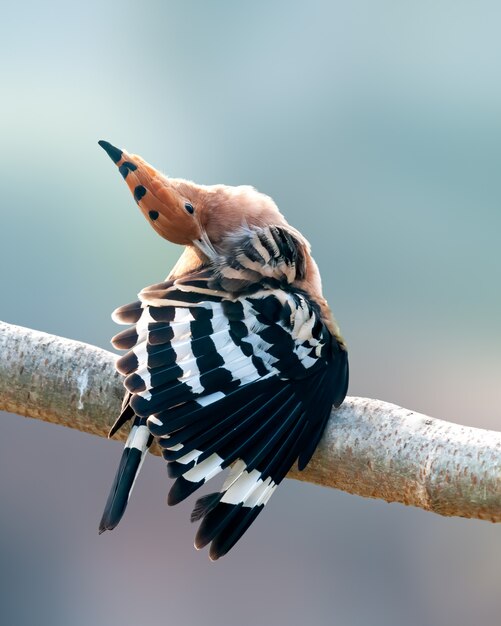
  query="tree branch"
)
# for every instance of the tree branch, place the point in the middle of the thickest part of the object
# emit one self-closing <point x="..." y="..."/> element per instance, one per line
<point x="370" y="448"/>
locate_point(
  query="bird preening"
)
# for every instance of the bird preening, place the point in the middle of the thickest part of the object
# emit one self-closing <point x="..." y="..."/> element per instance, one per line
<point x="233" y="362"/>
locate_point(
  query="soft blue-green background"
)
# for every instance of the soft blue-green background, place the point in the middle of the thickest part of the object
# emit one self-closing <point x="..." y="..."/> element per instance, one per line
<point x="376" y="127"/>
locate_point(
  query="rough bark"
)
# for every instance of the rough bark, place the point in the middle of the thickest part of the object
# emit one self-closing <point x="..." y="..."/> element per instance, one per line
<point x="370" y="448"/>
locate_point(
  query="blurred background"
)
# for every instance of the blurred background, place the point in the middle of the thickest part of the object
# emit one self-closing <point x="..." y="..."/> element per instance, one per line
<point x="376" y="128"/>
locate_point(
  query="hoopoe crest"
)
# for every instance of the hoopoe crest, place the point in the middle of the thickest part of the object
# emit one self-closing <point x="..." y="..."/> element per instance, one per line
<point x="233" y="362"/>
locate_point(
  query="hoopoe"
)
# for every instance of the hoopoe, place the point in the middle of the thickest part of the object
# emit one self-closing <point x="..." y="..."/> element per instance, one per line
<point x="234" y="361"/>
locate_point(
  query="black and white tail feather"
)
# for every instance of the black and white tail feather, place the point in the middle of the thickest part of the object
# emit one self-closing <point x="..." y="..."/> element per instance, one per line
<point x="136" y="446"/>
<point x="232" y="367"/>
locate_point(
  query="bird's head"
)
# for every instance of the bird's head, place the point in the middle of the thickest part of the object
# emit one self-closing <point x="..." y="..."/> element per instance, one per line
<point x="189" y="214"/>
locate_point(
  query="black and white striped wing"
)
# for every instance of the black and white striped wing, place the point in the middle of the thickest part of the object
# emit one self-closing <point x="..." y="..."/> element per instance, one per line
<point x="246" y="382"/>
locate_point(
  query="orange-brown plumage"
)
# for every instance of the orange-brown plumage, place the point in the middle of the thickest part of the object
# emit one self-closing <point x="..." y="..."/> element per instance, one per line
<point x="218" y="211"/>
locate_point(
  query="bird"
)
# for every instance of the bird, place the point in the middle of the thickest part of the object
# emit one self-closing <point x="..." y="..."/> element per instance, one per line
<point x="233" y="362"/>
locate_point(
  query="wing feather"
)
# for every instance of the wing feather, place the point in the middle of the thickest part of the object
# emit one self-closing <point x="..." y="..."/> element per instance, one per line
<point x="247" y="381"/>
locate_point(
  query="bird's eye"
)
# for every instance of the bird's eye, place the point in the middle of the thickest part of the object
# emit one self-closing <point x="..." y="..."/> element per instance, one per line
<point x="189" y="208"/>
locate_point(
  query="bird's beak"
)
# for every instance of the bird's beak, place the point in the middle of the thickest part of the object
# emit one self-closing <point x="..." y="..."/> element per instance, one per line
<point x="159" y="202"/>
